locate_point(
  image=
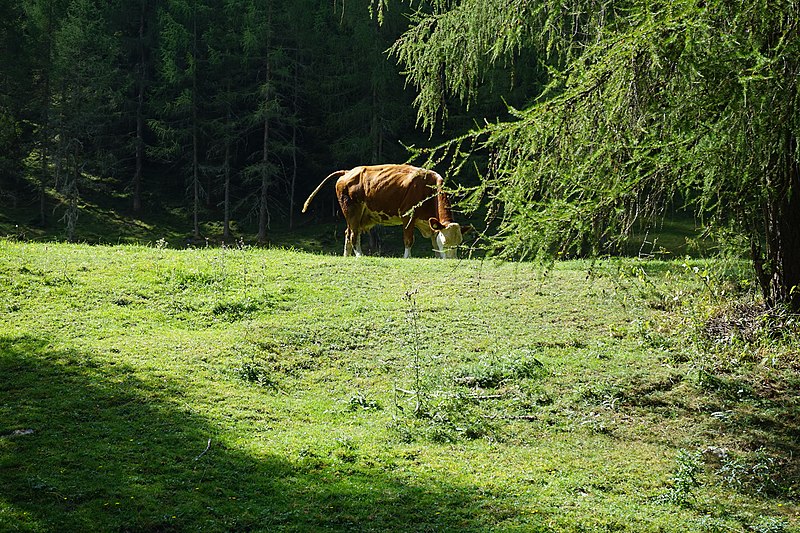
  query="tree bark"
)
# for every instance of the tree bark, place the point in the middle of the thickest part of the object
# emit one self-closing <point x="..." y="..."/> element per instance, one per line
<point x="784" y="224"/>
<point x="137" y="176"/>
<point x="296" y="111"/>
<point x="263" y="213"/>
<point x="226" y="225"/>
<point x="195" y="133"/>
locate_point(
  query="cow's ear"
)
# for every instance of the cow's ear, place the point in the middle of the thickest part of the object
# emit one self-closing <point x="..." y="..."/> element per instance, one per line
<point x="435" y="224"/>
<point x="466" y="229"/>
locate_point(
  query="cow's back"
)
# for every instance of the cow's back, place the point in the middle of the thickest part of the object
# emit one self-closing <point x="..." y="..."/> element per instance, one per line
<point x="392" y="189"/>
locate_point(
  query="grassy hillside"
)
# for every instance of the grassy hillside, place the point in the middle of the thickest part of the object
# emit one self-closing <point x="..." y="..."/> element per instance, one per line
<point x="147" y="389"/>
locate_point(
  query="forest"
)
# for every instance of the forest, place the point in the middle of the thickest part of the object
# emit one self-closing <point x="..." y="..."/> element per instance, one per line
<point x="227" y="109"/>
<point x="566" y="127"/>
<point x="230" y="110"/>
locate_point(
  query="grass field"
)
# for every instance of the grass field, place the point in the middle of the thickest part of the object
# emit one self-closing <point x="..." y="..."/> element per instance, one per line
<point x="149" y="389"/>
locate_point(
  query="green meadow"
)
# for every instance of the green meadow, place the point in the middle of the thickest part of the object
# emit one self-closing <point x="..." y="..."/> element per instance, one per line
<point x="240" y="389"/>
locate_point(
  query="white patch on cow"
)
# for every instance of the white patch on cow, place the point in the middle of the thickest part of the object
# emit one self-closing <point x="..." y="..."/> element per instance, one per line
<point x="407" y="253"/>
<point x="378" y="218"/>
<point x="350" y="247"/>
<point x="358" y="251"/>
<point x="446" y="241"/>
<point x="352" y="244"/>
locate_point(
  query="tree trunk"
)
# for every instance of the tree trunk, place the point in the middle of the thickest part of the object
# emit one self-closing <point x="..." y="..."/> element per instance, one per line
<point x="785" y="282"/>
<point x="137" y="177"/>
<point x="778" y="267"/>
<point x="71" y="193"/>
<point x="195" y="133"/>
<point x="295" y="125"/>
<point x="263" y="213"/>
<point x="226" y="225"/>
<point x="195" y="174"/>
<point x="43" y="179"/>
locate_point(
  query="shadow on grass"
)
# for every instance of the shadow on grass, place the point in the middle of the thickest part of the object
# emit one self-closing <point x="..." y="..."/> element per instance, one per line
<point x="764" y="415"/>
<point x="109" y="452"/>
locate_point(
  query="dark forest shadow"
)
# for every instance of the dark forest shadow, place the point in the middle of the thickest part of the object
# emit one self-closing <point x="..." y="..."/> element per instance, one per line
<point x="104" y="455"/>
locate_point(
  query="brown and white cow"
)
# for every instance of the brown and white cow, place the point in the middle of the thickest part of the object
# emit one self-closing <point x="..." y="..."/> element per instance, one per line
<point x="392" y="195"/>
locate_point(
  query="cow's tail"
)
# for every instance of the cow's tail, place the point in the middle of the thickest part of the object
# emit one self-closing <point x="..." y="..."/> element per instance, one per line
<point x="329" y="176"/>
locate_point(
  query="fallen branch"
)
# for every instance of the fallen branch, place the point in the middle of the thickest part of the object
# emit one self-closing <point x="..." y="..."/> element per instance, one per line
<point x="485" y="396"/>
<point x="208" y="447"/>
<point x="17" y="433"/>
<point x="529" y="418"/>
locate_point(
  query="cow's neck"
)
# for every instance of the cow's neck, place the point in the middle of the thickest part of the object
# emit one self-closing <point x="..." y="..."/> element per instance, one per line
<point x="444" y="211"/>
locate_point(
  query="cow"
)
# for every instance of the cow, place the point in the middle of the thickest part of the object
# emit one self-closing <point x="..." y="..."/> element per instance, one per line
<point x="393" y="195"/>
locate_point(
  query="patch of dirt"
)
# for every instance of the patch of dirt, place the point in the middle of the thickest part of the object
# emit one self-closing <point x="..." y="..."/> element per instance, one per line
<point x="742" y="321"/>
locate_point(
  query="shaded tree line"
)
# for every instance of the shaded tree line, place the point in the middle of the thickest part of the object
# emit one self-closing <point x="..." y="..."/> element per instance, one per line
<point x="229" y="108"/>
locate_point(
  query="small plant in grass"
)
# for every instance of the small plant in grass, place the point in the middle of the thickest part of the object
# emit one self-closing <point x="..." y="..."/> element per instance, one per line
<point x="255" y="371"/>
<point x="346" y="450"/>
<point x="449" y="419"/>
<point x="359" y="402"/>
<point x="759" y="474"/>
<point x="412" y="314"/>
<point x="769" y="524"/>
<point x="651" y="291"/>
<point x="684" y="479"/>
<point x="444" y="416"/>
<point x="495" y="371"/>
<point x="712" y="524"/>
<point x="458" y="417"/>
<point x="252" y="368"/>
<point x="232" y="311"/>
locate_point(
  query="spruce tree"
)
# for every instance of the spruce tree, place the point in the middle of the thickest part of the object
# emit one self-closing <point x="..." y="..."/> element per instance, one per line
<point x="268" y="61"/>
<point x="182" y="58"/>
<point x="14" y="83"/>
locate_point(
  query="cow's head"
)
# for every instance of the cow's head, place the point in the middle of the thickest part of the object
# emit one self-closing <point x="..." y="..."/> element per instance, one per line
<point x="447" y="237"/>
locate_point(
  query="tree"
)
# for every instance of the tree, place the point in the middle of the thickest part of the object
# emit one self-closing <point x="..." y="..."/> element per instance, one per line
<point x="646" y="103"/>
<point x="228" y="89"/>
<point x="65" y="72"/>
<point x="365" y="102"/>
<point x="182" y="51"/>
<point x="136" y="23"/>
<point x="85" y="72"/>
<point x="262" y="57"/>
<point x="14" y="82"/>
<point x="40" y="24"/>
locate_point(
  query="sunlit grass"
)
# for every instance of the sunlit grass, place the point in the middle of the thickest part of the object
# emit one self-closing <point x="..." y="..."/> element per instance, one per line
<point x="235" y="389"/>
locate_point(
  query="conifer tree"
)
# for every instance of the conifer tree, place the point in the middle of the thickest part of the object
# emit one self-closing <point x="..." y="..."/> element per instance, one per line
<point x="182" y="56"/>
<point x="369" y="107"/>
<point x="14" y="82"/>
<point x="227" y="101"/>
<point x="77" y="63"/>
<point x="647" y="102"/>
<point x="142" y="13"/>
<point x="40" y="24"/>
<point x="267" y="61"/>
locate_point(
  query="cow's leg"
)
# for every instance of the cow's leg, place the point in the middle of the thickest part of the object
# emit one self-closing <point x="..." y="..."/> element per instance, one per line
<point x="352" y="215"/>
<point x="408" y="236"/>
<point x="348" y="242"/>
<point x="357" y="246"/>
